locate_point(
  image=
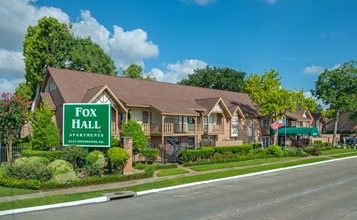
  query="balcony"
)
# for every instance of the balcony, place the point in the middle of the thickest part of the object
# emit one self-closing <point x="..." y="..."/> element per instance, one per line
<point x="115" y="130"/>
<point x="213" y="129"/>
<point x="146" y="128"/>
<point x="171" y="128"/>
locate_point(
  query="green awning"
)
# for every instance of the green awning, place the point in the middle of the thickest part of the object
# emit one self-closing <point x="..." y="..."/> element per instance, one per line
<point x="314" y="132"/>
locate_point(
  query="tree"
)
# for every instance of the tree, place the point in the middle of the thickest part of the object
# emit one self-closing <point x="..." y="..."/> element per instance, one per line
<point x="14" y="111"/>
<point x="134" y="130"/>
<point x="273" y="100"/>
<point x="51" y="43"/>
<point x="216" y="78"/>
<point x="45" y="132"/>
<point x="135" y="71"/>
<point x="338" y="89"/>
<point x="24" y="90"/>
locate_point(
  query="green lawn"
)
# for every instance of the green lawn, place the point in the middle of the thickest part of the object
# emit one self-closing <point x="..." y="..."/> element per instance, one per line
<point x="345" y="155"/>
<point x="337" y="151"/>
<point x="200" y="168"/>
<point x="6" y="191"/>
<point x="146" y="186"/>
<point x="170" y="172"/>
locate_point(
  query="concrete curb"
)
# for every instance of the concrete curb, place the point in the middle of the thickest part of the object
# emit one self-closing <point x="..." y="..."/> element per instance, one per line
<point x="105" y="198"/>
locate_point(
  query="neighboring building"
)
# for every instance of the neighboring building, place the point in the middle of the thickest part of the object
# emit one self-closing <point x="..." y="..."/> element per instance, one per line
<point x="174" y="116"/>
<point x="345" y="127"/>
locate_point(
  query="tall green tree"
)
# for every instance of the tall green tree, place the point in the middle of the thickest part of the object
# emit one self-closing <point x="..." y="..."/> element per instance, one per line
<point x="14" y="112"/>
<point x="216" y="78"/>
<point x="273" y="100"/>
<point x="51" y="43"/>
<point x="134" y="130"/>
<point x="338" y="89"/>
<point x="135" y="71"/>
<point x="45" y="133"/>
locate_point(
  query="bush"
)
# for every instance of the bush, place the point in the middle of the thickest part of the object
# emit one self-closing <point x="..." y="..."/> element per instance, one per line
<point x="242" y="149"/>
<point x="115" y="142"/>
<point x="50" y="155"/>
<point x="275" y="150"/>
<point x="97" y="163"/>
<point x="195" y="155"/>
<point x="75" y="155"/>
<point x="118" y="157"/>
<point x="294" y="151"/>
<point x="263" y="152"/>
<point x="149" y="172"/>
<point x="20" y="183"/>
<point x="29" y="168"/>
<point x="150" y="154"/>
<point x="63" y="171"/>
<point x="312" y="150"/>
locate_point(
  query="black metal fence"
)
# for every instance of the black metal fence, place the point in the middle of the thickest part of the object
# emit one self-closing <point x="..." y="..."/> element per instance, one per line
<point x="16" y="152"/>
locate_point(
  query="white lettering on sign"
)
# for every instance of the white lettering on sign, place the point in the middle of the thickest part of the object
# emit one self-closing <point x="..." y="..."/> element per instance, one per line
<point x="86" y="112"/>
<point x="78" y="124"/>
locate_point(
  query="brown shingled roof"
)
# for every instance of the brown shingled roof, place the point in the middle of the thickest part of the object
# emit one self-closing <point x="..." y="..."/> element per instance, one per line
<point x="166" y="97"/>
<point x="344" y="124"/>
<point x="47" y="97"/>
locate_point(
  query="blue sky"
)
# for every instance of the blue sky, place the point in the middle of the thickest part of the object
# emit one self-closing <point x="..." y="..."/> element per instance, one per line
<point x="170" y="38"/>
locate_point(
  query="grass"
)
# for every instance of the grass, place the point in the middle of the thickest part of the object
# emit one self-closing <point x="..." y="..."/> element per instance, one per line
<point x="2" y="170"/>
<point x="170" y="172"/>
<point x="146" y="186"/>
<point x="200" y="168"/>
<point x="6" y="191"/>
<point x="337" y="151"/>
<point x="344" y="155"/>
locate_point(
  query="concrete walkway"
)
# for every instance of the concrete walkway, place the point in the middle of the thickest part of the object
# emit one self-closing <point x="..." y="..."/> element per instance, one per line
<point x="132" y="182"/>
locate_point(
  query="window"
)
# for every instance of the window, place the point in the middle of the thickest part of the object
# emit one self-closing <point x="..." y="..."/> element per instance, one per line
<point x="53" y="86"/>
<point x="266" y="141"/>
<point x="234" y="125"/>
<point x="293" y="123"/>
<point x="250" y="130"/>
<point x="145" y="117"/>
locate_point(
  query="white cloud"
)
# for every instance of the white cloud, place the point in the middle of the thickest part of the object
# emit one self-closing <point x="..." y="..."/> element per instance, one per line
<point x="316" y="70"/>
<point x="178" y="71"/>
<point x="127" y="47"/>
<point x="11" y="63"/>
<point x="17" y="15"/>
<point x="9" y="85"/>
<point x="313" y="69"/>
<point x="90" y="27"/>
<point x="200" y="2"/>
<point x="271" y="2"/>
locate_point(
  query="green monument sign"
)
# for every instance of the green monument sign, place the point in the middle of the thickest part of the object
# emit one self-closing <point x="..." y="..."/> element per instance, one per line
<point x="87" y="125"/>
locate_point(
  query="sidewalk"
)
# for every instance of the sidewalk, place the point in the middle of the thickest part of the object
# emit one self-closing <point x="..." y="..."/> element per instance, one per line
<point x="132" y="182"/>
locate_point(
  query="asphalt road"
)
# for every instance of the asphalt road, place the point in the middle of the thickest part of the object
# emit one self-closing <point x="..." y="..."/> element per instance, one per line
<point x="325" y="191"/>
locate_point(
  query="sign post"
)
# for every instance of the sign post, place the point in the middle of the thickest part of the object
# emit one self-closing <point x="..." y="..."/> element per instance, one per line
<point x="87" y="124"/>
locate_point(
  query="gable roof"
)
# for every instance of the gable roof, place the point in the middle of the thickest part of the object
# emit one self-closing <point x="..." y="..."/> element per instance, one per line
<point x="344" y="124"/>
<point x="76" y="86"/>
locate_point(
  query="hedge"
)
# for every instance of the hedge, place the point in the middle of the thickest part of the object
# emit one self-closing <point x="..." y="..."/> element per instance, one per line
<point x="225" y="160"/>
<point x="149" y="172"/>
<point x="242" y="149"/>
<point x="195" y="155"/>
<point x="20" y="183"/>
<point x="51" y="155"/>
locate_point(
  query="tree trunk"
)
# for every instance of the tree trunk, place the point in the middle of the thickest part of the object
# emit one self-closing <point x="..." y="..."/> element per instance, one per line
<point x="9" y="151"/>
<point x="335" y="128"/>
<point x="276" y="137"/>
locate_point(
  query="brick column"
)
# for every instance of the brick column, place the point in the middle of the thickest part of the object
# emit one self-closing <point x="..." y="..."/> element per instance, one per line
<point x="127" y="144"/>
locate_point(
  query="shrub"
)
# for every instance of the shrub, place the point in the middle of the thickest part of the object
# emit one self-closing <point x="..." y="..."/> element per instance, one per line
<point x="97" y="163"/>
<point x="263" y="152"/>
<point x="257" y="145"/>
<point x="150" y="154"/>
<point x="118" y="157"/>
<point x="29" y="168"/>
<point x="115" y="142"/>
<point x="242" y="149"/>
<point x="294" y="151"/>
<point x="20" y="183"/>
<point x="50" y="155"/>
<point x="63" y="171"/>
<point x="195" y="155"/>
<point x="312" y="150"/>
<point x="275" y="150"/>
<point x="75" y="155"/>
<point x="149" y="172"/>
